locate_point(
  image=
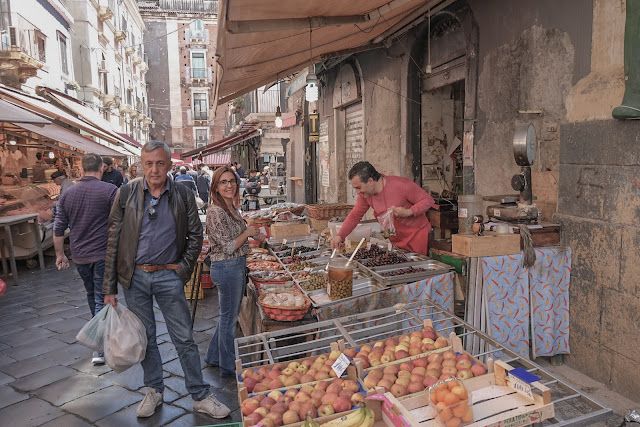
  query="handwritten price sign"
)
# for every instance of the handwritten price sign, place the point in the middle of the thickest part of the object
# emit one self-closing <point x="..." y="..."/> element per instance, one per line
<point x="340" y="365"/>
<point x="520" y="386"/>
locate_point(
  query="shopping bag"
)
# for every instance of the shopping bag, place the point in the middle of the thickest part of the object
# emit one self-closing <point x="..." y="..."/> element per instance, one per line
<point x="125" y="339"/>
<point x="199" y="203"/>
<point x="92" y="334"/>
<point x="388" y="226"/>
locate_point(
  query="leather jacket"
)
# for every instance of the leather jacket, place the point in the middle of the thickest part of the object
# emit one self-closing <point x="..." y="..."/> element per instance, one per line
<point x="125" y="222"/>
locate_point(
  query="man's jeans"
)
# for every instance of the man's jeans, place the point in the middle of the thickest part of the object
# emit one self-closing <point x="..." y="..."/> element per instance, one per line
<point x="229" y="278"/>
<point x="168" y="289"/>
<point x="92" y="275"/>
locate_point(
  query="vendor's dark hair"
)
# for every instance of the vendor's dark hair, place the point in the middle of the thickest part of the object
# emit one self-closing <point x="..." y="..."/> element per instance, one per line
<point x="364" y="170"/>
<point x="92" y="162"/>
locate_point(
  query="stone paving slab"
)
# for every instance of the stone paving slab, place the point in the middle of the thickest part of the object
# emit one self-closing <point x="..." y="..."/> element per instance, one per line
<point x="35" y="348"/>
<point x="69" y="354"/>
<point x="131" y="379"/>
<point x="191" y="419"/>
<point x="5" y="379"/>
<point x="176" y="384"/>
<point x="127" y="417"/>
<point x="73" y="312"/>
<point x="4" y="346"/>
<point x="102" y="403"/>
<point x="23" y="336"/>
<point x="10" y="329"/>
<point x="42" y="378"/>
<point x="17" y="318"/>
<point x="71" y="388"/>
<point x="66" y="325"/>
<point x="40" y="321"/>
<point x="213" y="377"/>
<point x="33" y="412"/>
<point x="68" y="420"/>
<point x="85" y="366"/>
<point x="54" y="308"/>
<point x="8" y="396"/>
<point x="19" y="369"/>
<point x="68" y="337"/>
<point x="168" y="352"/>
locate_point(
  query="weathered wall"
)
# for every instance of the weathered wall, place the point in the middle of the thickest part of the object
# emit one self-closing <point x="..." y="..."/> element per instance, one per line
<point x="158" y="79"/>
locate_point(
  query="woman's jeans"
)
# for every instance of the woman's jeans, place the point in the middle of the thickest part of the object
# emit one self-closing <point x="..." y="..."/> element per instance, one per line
<point x="229" y="278"/>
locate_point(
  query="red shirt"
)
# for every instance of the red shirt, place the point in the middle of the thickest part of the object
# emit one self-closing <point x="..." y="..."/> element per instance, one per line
<point x="412" y="233"/>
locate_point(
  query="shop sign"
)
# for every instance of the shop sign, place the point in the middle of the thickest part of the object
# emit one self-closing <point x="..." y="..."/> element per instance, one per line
<point x="297" y="83"/>
<point x="313" y="128"/>
<point x="323" y="154"/>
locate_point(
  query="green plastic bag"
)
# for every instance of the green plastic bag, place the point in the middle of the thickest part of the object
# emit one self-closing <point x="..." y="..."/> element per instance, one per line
<point x="92" y="334"/>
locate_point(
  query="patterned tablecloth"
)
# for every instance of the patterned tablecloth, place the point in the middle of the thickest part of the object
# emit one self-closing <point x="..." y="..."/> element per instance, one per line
<point x="529" y="307"/>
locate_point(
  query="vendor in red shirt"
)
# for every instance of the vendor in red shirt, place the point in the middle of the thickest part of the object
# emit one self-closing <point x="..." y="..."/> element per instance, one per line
<point x="408" y="201"/>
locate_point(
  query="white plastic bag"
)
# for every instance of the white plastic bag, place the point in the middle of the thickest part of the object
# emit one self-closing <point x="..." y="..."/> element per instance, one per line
<point x="125" y="339"/>
<point x="92" y="334"/>
<point x="388" y="226"/>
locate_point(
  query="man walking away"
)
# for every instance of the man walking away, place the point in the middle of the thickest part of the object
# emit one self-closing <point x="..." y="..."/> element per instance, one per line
<point x="204" y="183"/>
<point x="84" y="208"/>
<point x="60" y="178"/>
<point x="185" y="179"/>
<point x="155" y="237"/>
<point x="111" y="175"/>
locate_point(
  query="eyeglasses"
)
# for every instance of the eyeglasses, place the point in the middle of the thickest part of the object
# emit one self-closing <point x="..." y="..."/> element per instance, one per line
<point x="224" y="183"/>
<point x="152" y="208"/>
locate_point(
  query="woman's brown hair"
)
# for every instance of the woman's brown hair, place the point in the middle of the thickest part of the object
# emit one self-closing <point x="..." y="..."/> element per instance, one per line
<point x="215" y="197"/>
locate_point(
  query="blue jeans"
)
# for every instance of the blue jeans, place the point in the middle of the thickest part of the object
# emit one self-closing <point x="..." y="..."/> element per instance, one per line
<point x="92" y="275"/>
<point x="229" y="278"/>
<point x="168" y="289"/>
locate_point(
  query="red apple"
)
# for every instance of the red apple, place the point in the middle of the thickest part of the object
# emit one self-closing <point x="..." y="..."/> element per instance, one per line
<point x="449" y="354"/>
<point x="435" y="357"/>
<point x="249" y="406"/>
<point x="478" y="370"/>
<point x="358" y="399"/>
<point x="322" y="385"/>
<point x="346" y="393"/>
<point x="420" y="362"/>
<point x="275" y="384"/>
<point x="302" y="397"/>
<point x="307" y="408"/>
<point x="334" y="388"/>
<point x="415" y="387"/>
<point x="329" y="398"/>
<point x="253" y="419"/>
<point x="429" y="381"/>
<point x="386" y="384"/>
<point x="291" y="392"/>
<point x="464" y="364"/>
<point x="260" y="388"/>
<point x="398" y="391"/>
<point x="279" y="408"/>
<point x="325" y="410"/>
<point x="290" y="417"/>
<point x="406" y="366"/>
<point x="341" y="404"/>
<point x="267" y="403"/>
<point x="465" y="374"/>
<point x="250" y="383"/>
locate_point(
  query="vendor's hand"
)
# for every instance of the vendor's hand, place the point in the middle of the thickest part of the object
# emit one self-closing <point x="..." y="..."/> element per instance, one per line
<point x="401" y="212"/>
<point x="335" y="242"/>
<point x="111" y="299"/>
<point x="62" y="262"/>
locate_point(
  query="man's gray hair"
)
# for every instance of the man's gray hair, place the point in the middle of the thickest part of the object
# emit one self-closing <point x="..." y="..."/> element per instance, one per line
<point x="92" y="162"/>
<point x="183" y="170"/>
<point x="154" y="145"/>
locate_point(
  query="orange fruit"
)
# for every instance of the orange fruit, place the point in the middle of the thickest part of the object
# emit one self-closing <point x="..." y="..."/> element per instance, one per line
<point x="452" y="384"/>
<point x="453" y="422"/>
<point x="441" y="394"/>
<point x="460" y="391"/>
<point x="451" y="399"/>
<point x="434" y="398"/>
<point x="440" y="406"/>
<point x="468" y="416"/>
<point x="460" y="409"/>
<point x="445" y="415"/>
<point x="441" y="387"/>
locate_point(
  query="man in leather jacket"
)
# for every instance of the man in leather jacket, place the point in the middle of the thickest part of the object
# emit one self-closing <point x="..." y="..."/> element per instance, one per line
<point x="155" y="237"/>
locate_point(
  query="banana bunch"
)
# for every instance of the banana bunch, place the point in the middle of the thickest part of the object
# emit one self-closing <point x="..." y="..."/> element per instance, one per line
<point x="363" y="417"/>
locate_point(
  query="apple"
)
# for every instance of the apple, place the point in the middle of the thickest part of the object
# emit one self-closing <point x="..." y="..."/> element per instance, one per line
<point x="334" y="388"/>
<point x="427" y="341"/>
<point x="378" y="373"/>
<point x="465" y="374"/>
<point x="441" y="342"/>
<point x="414" y="351"/>
<point x="249" y="406"/>
<point x="398" y="390"/>
<point x="329" y="398"/>
<point x="262" y="411"/>
<point x="435" y="357"/>
<point x="291" y="381"/>
<point x="374" y="356"/>
<point x="370" y="381"/>
<point x="351" y="385"/>
<point x="415" y="387"/>
<point x="321" y="376"/>
<point x="285" y="400"/>
<point x="387" y="358"/>
<point x="290" y="417"/>
<point x="391" y="369"/>
<point x="358" y="399"/>
<point x="434" y="365"/>
<point x="295" y="406"/>
<point x="417" y="378"/>
<point x="279" y="408"/>
<point x="307" y="408"/>
<point x="375" y="362"/>
<point x="302" y="397"/>
<point x="350" y="352"/>
<point x="449" y="362"/>
<point x="275" y="395"/>
<point x="450" y="370"/>
<point x="334" y="354"/>
<point x="478" y="370"/>
<point x="307" y="388"/>
<point x="338" y="381"/>
<point x="322" y="385"/>
<point x="403" y="381"/>
<point x="390" y="377"/>
<point x="365" y="363"/>
<point x="428" y="347"/>
<point x="250" y="383"/>
<point x="341" y="404"/>
<point x="464" y="364"/>
<point x="293" y="365"/>
<point x="326" y="368"/>
<point x="315" y="401"/>
<point x="259" y="397"/>
<point x="306" y="378"/>
<point x="253" y="419"/>
<point x="429" y="381"/>
<point x="429" y="334"/>
<point x="405" y="374"/>
<point x="386" y="384"/>
<point x="274" y="373"/>
<point x="435" y="373"/>
<point x="291" y="393"/>
<point x="419" y="370"/>
<point x="275" y="384"/>
<point x="449" y="354"/>
<point x="317" y="393"/>
<point x="406" y="366"/>
<point x="288" y="372"/>
<point x="378" y="344"/>
<point x="267" y="403"/>
<point x="445" y="377"/>
<point x="416" y="334"/>
<point x="263" y="371"/>
<point x="302" y="369"/>
<point x="346" y="393"/>
<point x="325" y="409"/>
<point x="366" y="348"/>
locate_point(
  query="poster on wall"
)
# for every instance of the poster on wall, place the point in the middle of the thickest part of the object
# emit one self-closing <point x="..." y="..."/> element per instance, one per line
<point x="323" y="154"/>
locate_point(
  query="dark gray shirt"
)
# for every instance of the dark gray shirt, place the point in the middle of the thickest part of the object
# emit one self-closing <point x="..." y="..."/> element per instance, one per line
<point x="157" y="242"/>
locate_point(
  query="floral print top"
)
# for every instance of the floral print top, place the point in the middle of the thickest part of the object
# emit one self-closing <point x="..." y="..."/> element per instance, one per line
<point x="222" y="230"/>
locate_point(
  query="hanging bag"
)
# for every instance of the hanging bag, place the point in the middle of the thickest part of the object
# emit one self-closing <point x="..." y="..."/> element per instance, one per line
<point x="125" y="339"/>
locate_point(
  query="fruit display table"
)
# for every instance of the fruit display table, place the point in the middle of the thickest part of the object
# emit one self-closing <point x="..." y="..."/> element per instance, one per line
<point x="272" y="364"/>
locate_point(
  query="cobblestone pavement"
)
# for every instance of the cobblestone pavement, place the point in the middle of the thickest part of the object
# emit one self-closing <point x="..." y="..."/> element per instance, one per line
<point x="47" y="379"/>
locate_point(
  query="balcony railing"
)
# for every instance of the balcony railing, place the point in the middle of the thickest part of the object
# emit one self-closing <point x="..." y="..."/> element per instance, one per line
<point x="22" y="36"/>
<point x="207" y="6"/>
<point x="198" y="73"/>
<point x="201" y="115"/>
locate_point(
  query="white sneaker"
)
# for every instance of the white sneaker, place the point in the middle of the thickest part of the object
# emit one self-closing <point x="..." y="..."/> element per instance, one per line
<point x="211" y="407"/>
<point x="98" y="358"/>
<point x="148" y="406"/>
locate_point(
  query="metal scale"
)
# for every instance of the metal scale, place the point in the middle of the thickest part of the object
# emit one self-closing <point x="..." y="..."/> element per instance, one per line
<point x="519" y="208"/>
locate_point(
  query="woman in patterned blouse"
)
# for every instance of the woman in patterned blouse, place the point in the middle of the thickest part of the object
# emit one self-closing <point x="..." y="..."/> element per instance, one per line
<point x="228" y="235"/>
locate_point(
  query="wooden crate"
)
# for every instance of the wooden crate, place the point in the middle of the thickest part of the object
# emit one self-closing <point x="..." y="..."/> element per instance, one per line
<point x="187" y="291"/>
<point x="318" y="225"/>
<point x="495" y="403"/>
<point x="490" y="244"/>
<point x="288" y="230"/>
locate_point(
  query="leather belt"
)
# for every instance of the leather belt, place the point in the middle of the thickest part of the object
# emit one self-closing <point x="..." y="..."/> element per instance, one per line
<point x="151" y="268"/>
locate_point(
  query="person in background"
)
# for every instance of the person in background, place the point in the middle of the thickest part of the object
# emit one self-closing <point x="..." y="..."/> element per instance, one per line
<point x="228" y="236"/>
<point x="123" y="171"/>
<point x="266" y="176"/>
<point x="84" y="208"/>
<point x="60" y="178"/>
<point x="111" y="175"/>
<point x="185" y="179"/>
<point x="239" y="170"/>
<point x="38" y="168"/>
<point x="192" y="172"/>
<point x="204" y="183"/>
<point x="133" y="172"/>
<point x="408" y="201"/>
<point x="155" y="237"/>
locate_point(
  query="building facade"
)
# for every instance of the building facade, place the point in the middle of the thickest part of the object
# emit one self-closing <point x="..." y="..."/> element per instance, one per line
<point x="110" y="62"/>
<point x="180" y="44"/>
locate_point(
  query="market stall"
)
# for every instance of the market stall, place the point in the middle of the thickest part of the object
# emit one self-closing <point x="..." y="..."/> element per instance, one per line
<point x="500" y="387"/>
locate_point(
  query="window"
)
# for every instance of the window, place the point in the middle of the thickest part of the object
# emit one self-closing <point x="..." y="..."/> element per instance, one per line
<point x="124" y="24"/>
<point x="198" y="69"/>
<point x="197" y="31"/>
<point x="200" y="106"/>
<point x="62" y="40"/>
<point x="40" y="46"/>
<point x="201" y="137"/>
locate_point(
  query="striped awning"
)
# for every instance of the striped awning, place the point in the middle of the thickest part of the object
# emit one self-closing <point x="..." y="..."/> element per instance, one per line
<point x="216" y="159"/>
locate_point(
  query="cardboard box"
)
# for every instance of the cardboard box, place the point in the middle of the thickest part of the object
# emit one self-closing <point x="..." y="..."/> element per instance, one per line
<point x="318" y="225"/>
<point x="288" y="230"/>
<point x="491" y="244"/>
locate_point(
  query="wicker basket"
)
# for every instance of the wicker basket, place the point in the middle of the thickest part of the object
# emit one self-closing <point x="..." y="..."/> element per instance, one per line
<point x="285" y="314"/>
<point x="294" y="210"/>
<point x="328" y="210"/>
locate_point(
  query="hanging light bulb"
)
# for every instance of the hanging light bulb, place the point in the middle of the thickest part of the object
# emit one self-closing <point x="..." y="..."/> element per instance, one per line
<point x="51" y="155"/>
<point x="12" y="142"/>
<point x="278" y="117"/>
<point x="311" y="91"/>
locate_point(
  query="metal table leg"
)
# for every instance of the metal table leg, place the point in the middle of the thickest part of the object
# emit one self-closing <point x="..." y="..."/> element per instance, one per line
<point x="12" y="255"/>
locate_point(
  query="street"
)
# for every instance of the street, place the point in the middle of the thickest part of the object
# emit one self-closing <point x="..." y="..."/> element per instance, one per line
<point x="47" y="379"/>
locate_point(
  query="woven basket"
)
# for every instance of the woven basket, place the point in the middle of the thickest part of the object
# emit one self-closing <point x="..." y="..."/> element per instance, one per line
<point x="285" y="314"/>
<point x="328" y="210"/>
<point x="295" y="210"/>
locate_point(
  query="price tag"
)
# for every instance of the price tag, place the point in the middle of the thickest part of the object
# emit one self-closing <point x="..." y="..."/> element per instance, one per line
<point x="340" y="365"/>
<point x="496" y="213"/>
<point x="520" y="386"/>
<point x="369" y="246"/>
<point x="389" y="247"/>
<point x="284" y="242"/>
<point x="462" y="213"/>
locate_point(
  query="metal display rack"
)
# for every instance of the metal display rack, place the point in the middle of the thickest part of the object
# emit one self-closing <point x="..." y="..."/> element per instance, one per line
<point x="577" y="408"/>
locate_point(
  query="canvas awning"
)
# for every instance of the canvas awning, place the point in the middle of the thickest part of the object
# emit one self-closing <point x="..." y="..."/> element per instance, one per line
<point x="247" y="131"/>
<point x="130" y="139"/>
<point x="260" y="41"/>
<point x="70" y="138"/>
<point x="12" y="113"/>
